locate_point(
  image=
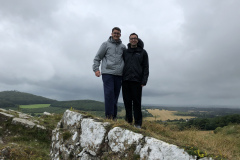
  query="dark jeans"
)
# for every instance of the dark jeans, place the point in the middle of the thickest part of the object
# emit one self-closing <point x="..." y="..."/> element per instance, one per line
<point x="112" y="86"/>
<point x="132" y="97"/>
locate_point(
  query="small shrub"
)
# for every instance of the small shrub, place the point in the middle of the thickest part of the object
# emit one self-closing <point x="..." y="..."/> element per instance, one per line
<point x="66" y="135"/>
<point x="196" y="151"/>
<point x="217" y="130"/>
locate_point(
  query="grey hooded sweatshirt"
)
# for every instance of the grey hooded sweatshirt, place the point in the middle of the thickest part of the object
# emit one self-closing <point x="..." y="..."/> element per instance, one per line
<point x="110" y="53"/>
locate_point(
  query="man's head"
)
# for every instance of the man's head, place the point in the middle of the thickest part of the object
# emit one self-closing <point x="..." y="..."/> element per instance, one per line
<point x="116" y="33"/>
<point x="133" y="39"/>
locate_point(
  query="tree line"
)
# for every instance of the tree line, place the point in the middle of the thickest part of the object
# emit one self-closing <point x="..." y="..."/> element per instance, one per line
<point x="213" y="123"/>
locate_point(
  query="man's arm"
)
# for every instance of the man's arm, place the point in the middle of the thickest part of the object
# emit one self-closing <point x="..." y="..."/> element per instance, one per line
<point x="97" y="60"/>
<point x="145" y="67"/>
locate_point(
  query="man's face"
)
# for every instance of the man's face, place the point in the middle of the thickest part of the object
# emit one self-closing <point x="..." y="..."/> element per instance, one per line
<point x="116" y="35"/>
<point x="133" y="40"/>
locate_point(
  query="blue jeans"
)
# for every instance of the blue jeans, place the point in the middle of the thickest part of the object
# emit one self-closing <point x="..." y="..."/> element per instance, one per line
<point x="112" y="86"/>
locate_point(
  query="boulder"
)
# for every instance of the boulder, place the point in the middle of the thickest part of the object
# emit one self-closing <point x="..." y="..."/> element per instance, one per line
<point x="93" y="134"/>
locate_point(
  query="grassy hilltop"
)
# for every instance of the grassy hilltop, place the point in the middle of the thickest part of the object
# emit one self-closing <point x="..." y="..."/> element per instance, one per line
<point x="211" y="132"/>
<point x="10" y="99"/>
<point x="32" y="104"/>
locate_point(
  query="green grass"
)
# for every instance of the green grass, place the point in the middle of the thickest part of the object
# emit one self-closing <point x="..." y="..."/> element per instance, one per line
<point x="222" y="144"/>
<point x="35" y="106"/>
<point x="28" y="144"/>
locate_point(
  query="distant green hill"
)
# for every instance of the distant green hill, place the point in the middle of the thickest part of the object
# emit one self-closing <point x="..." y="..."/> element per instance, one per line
<point x="84" y="105"/>
<point x="12" y="98"/>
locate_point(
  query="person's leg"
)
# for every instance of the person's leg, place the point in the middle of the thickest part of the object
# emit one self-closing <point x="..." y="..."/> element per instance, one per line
<point x="137" y="98"/>
<point x="117" y="88"/>
<point x="108" y="85"/>
<point x="127" y="99"/>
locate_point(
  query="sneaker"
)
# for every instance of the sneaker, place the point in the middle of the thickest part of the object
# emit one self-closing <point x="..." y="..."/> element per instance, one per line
<point x="137" y="126"/>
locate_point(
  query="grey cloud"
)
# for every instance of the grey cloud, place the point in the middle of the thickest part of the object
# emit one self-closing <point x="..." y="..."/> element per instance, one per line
<point x="47" y="48"/>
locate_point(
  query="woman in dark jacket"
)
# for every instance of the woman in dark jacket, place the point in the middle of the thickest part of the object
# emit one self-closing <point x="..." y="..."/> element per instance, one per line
<point x="135" y="76"/>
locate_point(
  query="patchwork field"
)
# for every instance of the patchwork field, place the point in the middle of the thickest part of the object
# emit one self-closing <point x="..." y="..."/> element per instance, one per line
<point x="35" y="106"/>
<point x="164" y="115"/>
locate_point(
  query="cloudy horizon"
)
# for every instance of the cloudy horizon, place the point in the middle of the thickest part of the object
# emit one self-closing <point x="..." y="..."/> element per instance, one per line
<point x="47" y="48"/>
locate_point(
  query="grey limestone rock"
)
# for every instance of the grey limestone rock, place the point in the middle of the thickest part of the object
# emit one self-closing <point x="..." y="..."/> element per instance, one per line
<point x="93" y="135"/>
<point x="90" y="140"/>
<point x="158" y="150"/>
<point x="122" y="139"/>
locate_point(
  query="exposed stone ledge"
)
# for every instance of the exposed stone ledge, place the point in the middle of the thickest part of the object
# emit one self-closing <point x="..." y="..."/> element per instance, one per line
<point x="6" y="116"/>
<point x="20" y="114"/>
<point x="11" y="115"/>
<point x="3" y="110"/>
<point x="26" y="123"/>
<point x="91" y="140"/>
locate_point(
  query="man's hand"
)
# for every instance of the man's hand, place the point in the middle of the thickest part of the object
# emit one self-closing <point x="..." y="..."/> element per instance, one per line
<point x="97" y="73"/>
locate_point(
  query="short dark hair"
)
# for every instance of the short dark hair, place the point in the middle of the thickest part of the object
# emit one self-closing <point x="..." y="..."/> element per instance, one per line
<point x="133" y="34"/>
<point x="116" y="28"/>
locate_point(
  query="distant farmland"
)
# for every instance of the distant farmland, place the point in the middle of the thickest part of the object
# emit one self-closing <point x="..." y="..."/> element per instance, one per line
<point x="164" y="115"/>
<point x="35" y="106"/>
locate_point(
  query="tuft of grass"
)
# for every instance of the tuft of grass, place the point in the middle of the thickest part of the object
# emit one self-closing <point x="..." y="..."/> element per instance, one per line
<point x="26" y="150"/>
<point x="50" y="122"/>
<point x="66" y="135"/>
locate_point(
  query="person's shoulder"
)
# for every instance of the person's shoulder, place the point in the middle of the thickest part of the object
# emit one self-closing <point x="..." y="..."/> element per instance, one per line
<point x="123" y="46"/>
<point x="125" y="50"/>
<point x="144" y="52"/>
<point x="105" y="43"/>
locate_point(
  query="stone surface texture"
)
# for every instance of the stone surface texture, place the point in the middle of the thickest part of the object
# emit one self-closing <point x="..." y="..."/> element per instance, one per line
<point x="71" y="119"/>
<point x="121" y="139"/>
<point x="92" y="136"/>
<point x="24" y="122"/>
<point x="156" y="149"/>
<point x="47" y="114"/>
<point x="5" y="116"/>
<point x="90" y="139"/>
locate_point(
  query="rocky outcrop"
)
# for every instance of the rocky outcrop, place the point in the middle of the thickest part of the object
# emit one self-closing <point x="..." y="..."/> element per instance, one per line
<point x="82" y="138"/>
<point x="18" y="118"/>
<point x="5" y="116"/>
<point x="10" y="119"/>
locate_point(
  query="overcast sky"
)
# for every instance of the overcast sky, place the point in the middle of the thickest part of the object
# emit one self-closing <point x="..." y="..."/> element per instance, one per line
<point x="47" y="48"/>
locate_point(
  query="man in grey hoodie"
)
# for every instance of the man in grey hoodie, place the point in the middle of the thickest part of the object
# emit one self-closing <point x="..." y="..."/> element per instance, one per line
<point x="110" y="53"/>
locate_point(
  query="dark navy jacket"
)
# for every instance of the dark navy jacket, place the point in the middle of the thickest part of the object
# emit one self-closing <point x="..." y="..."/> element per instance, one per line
<point x="136" y="66"/>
